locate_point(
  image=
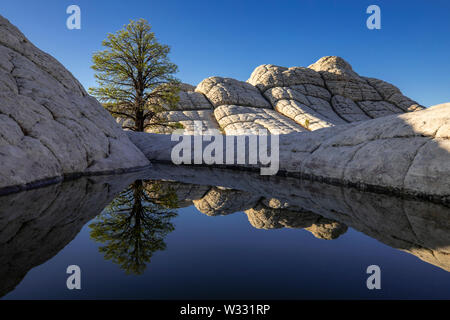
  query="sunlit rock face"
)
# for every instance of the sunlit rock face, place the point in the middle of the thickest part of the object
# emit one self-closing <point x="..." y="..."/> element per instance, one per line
<point x="284" y="100"/>
<point x="371" y="135"/>
<point x="240" y="108"/>
<point x="192" y="108"/>
<point x="375" y="97"/>
<point x="407" y="153"/>
<point x="49" y="125"/>
<point x="328" y="93"/>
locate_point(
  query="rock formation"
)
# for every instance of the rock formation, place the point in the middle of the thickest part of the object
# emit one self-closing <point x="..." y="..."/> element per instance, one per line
<point x="266" y="216"/>
<point x="262" y="213"/>
<point x="284" y="100"/>
<point x="192" y="106"/>
<point x="184" y="193"/>
<point x="403" y="154"/>
<point x="36" y="224"/>
<point x="220" y="201"/>
<point x="371" y="135"/>
<point x="49" y="126"/>
<point x="421" y="228"/>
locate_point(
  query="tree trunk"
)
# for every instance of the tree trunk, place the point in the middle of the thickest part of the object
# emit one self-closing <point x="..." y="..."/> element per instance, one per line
<point x="139" y="123"/>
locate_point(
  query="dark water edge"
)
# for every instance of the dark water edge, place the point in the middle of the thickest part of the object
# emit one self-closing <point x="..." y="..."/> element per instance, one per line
<point x="243" y="246"/>
<point x="363" y="187"/>
<point x="67" y="177"/>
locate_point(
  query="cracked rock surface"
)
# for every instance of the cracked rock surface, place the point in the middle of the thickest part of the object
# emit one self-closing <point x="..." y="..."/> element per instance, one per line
<point x="192" y="108"/>
<point x="297" y="99"/>
<point x="49" y="125"/>
<point x="404" y="154"/>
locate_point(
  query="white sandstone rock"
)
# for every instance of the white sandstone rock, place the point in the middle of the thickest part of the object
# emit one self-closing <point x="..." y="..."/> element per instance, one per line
<point x="406" y="153"/>
<point x="49" y="125"/>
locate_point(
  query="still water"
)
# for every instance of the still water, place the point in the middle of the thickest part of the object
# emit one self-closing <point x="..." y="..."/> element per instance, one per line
<point x="184" y="233"/>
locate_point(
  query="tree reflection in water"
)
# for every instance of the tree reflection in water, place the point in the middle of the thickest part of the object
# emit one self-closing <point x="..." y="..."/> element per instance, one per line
<point x="133" y="226"/>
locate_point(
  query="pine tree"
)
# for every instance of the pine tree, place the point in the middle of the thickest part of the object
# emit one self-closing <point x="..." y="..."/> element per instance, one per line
<point x="135" y="76"/>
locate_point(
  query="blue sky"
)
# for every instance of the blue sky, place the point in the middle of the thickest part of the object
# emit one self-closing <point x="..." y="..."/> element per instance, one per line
<point x="230" y="38"/>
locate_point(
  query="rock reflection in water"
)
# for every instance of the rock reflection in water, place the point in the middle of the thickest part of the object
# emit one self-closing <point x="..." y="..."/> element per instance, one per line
<point x="417" y="227"/>
<point x="132" y="224"/>
<point x="36" y="224"/>
<point x="272" y="214"/>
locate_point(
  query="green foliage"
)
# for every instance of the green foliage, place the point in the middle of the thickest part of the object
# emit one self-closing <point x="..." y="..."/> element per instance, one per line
<point x="135" y="76"/>
<point x="133" y="227"/>
<point x="165" y="197"/>
<point x="178" y="126"/>
<point x="306" y="124"/>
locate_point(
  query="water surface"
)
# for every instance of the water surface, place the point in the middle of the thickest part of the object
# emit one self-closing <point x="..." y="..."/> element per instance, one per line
<point x="183" y="233"/>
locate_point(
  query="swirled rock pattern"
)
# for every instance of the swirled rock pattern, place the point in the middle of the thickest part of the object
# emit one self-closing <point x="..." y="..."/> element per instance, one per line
<point x="49" y="126"/>
<point x="240" y="108"/>
<point x="193" y="121"/>
<point x="227" y="91"/>
<point x="236" y="120"/>
<point x="404" y="154"/>
<point x="193" y="111"/>
<point x="297" y="99"/>
<point x="190" y="100"/>
<point x="328" y="93"/>
<point x="409" y="153"/>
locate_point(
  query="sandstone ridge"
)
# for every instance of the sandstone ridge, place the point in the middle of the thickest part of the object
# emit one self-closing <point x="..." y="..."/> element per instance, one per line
<point x="49" y="126"/>
<point x="402" y="154"/>
<point x="334" y="125"/>
<point x="284" y="100"/>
